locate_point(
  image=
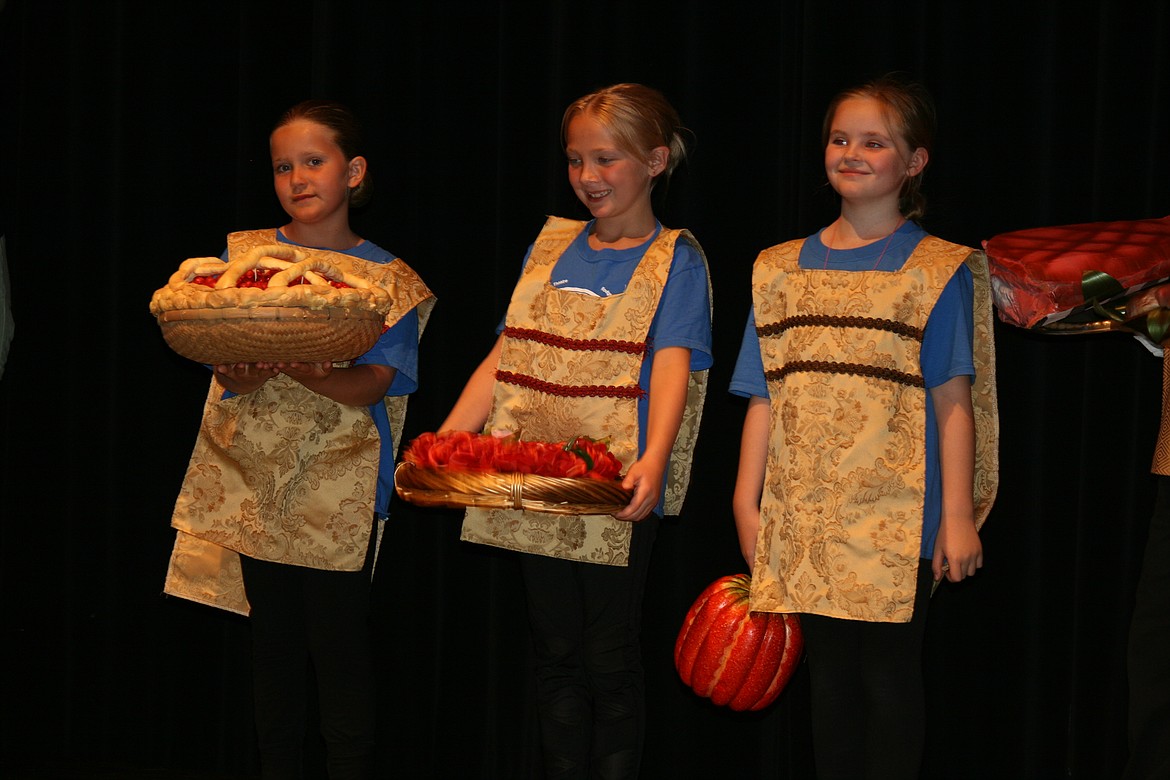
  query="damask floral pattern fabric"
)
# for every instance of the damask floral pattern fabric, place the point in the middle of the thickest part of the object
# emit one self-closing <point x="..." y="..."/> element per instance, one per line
<point x="539" y="390"/>
<point x="1162" y="447"/>
<point x="841" y="516"/>
<point x="283" y="474"/>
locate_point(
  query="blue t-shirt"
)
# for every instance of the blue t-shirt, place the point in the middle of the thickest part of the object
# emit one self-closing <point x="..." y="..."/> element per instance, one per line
<point x="683" y="318"/>
<point x="396" y="348"/>
<point x="947" y="342"/>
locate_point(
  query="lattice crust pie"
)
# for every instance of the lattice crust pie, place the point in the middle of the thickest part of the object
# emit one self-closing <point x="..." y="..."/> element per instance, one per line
<point x="276" y="275"/>
<point x="275" y="303"/>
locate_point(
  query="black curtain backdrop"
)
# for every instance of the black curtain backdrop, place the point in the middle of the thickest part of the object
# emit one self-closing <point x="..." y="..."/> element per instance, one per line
<point x="134" y="135"/>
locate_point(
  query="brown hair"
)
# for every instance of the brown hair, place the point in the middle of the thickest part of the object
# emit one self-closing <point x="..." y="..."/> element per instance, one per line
<point x="639" y="118"/>
<point x="346" y="134"/>
<point x="909" y="109"/>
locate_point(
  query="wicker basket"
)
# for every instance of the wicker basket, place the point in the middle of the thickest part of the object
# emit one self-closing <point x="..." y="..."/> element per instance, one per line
<point x="270" y="334"/>
<point x="495" y="490"/>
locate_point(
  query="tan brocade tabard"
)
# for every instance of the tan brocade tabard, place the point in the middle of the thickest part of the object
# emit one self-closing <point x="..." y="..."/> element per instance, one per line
<point x="842" y="507"/>
<point x="1162" y="448"/>
<point x="569" y="366"/>
<point x="283" y="474"/>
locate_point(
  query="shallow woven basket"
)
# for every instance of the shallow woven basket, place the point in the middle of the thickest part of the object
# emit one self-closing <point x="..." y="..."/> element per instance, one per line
<point x="496" y="490"/>
<point x="270" y="334"/>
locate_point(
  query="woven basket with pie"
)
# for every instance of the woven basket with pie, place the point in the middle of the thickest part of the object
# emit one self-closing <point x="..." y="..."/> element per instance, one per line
<point x="276" y="303"/>
<point x="461" y="469"/>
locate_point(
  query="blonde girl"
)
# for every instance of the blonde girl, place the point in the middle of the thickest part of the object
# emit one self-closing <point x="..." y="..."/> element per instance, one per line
<point x="608" y="335"/>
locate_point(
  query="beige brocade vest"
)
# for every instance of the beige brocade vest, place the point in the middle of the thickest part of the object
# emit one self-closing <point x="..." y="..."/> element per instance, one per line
<point x="283" y="474"/>
<point x="1161" y="463"/>
<point x="557" y="341"/>
<point x="842" y="506"/>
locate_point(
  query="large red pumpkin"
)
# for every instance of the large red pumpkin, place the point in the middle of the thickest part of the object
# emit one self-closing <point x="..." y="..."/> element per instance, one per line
<point x="736" y="657"/>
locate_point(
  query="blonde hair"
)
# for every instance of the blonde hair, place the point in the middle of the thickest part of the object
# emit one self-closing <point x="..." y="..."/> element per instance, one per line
<point x="638" y="117"/>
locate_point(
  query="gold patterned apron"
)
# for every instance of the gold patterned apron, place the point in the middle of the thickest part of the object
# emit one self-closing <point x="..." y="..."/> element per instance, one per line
<point x="569" y="366"/>
<point x="842" y="506"/>
<point x="1162" y="447"/>
<point x="283" y="474"/>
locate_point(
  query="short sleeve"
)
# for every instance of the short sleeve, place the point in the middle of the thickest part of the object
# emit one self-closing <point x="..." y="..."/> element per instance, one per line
<point x="947" y="344"/>
<point x="683" y="318"/>
<point x="748" y="378"/>
<point x="397" y="348"/>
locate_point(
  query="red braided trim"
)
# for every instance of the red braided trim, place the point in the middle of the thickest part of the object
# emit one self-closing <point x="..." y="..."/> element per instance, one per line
<point x="826" y="321"/>
<point x="569" y="391"/>
<point x="856" y="369"/>
<point x="603" y="345"/>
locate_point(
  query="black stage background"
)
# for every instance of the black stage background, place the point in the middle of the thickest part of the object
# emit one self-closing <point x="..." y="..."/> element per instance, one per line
<point x="135" y="135"/>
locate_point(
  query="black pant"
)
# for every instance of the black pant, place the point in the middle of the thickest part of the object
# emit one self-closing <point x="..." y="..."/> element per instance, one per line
<point x="301" y="615"/>
<point x="868" y="696"/>
<point x="586" y="621"/>
<point x="1149" y="649"/>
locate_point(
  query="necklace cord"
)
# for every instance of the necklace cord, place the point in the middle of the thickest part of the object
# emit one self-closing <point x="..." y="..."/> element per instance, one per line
<point x="886" y="246"/>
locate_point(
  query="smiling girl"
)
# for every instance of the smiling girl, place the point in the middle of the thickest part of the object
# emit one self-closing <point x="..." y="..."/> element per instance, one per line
<point x="608" y="335"/>
<point x="868" y="458"/>
<point x="292" y="472"/>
